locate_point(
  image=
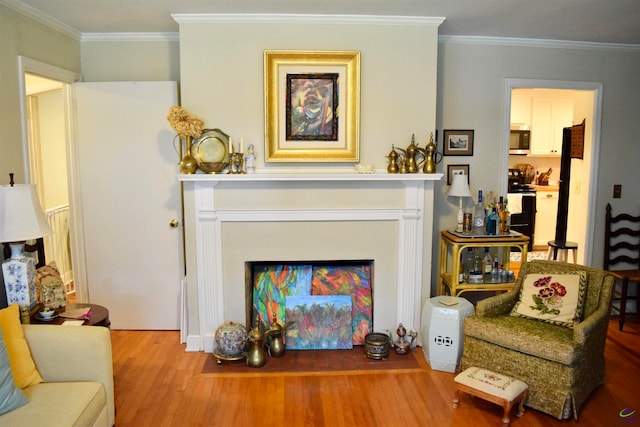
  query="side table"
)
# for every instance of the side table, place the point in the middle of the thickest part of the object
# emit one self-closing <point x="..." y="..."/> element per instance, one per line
<point x="99" y="316"/>
<point x="442" y="331"/>
<point x="452" y="247"/>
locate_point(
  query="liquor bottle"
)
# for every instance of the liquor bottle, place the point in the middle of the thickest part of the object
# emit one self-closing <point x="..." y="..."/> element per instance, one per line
<point x="465" y="265"/>
<point x="479" y="216"/>
<point x="492" y="222"/>
<point x="488" y="205"/>
<point x="476" y="273"/>
<point x="505" y="219"/>
<point x="487" y="261"/>
<point x="501" y="217"/>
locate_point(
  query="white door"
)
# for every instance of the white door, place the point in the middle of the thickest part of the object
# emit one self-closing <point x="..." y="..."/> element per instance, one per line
<point x="127" y="168"/>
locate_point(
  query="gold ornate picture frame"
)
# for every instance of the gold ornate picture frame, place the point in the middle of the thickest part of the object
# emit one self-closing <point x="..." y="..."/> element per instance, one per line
<point x="312" y="106"/>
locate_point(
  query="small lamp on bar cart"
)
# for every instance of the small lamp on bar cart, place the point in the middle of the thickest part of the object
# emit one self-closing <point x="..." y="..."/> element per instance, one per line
<point x="21" y="219"/>
<point x="460" y="189"/>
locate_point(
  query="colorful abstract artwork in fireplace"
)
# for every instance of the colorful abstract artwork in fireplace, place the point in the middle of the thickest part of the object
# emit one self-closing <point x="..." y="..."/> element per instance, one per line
<point x="321" y="322"/>
<point x="273" y="283"/>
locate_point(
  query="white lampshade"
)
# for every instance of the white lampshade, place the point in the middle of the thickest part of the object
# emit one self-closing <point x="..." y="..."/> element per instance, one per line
<point x="459" y="190"/>
<point x="21" y="217"/>
<point x="459" y="187"/>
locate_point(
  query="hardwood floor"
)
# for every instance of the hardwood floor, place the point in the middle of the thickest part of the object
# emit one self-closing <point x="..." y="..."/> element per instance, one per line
<point x="158" y="384"/>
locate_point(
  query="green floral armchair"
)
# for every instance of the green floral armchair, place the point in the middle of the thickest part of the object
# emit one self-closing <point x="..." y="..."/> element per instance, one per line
<point x="561" y="365"/>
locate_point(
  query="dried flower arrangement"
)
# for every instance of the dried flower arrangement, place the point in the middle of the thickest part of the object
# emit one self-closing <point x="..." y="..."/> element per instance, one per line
<point x="184" y="123"/>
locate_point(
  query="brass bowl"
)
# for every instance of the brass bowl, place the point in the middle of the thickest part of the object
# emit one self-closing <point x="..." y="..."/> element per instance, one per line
<point x="212" y="167"/>
<point x="377" y="345"/>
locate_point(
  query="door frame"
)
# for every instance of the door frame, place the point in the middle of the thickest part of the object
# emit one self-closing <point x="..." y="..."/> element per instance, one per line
<point x="596" y="88"/>
<point x="67" y="78"/>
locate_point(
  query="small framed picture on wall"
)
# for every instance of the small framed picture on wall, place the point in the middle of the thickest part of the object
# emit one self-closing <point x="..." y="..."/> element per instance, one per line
<point x="458" y="142"/>
<point x="457" y="170"/>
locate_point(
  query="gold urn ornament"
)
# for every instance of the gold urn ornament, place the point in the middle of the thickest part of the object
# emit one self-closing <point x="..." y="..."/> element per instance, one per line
<point x="393" y="160"/>
<point x="188" y="163"/>
<point x="430" y="154"/>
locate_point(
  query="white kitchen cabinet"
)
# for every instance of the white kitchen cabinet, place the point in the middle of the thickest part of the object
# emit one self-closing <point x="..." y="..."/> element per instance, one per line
<point x="521" y="107"/>
<point x="548" y="117"/>
<point x="546" y="213"/>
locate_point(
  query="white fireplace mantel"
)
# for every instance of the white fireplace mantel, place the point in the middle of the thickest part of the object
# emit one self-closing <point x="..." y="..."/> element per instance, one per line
<point x="299" y="176"/>
<point x="414" y="219"/>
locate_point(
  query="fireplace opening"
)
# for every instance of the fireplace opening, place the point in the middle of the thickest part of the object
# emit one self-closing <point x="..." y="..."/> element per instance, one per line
<point x="329" y="304"/>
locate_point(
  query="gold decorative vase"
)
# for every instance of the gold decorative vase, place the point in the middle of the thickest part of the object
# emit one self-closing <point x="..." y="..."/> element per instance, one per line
<point x="188" y="164"/>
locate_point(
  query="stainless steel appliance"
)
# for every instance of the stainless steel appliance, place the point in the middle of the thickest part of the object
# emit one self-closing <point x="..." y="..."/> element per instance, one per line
<point x="520" y="142"/>
<point x="516" y="178"/>
<point x="523" y="217"/>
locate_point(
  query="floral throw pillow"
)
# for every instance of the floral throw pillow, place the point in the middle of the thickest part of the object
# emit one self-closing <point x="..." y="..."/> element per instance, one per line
<point x="557" y="298"/>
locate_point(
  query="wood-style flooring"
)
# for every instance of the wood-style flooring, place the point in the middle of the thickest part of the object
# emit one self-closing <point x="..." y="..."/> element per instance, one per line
<point x="158" y="384"/>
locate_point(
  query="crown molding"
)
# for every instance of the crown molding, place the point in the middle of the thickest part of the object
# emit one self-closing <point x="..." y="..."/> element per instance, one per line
<point x="130" y="37"/>
<point x="42" y="18"/>
<point x="254" y="18"/>
<point x="267" y="18"/>
<point x="521" y="42"/>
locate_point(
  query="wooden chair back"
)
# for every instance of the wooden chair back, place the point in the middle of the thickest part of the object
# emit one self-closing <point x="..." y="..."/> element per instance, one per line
<point x="621" y="240"/>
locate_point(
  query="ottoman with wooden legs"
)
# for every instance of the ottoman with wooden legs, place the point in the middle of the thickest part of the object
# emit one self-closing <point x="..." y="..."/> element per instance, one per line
<point x="492" y="387"/>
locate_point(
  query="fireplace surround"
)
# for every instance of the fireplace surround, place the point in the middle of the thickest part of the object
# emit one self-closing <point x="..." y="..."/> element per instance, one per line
<point x="233" y="219"/>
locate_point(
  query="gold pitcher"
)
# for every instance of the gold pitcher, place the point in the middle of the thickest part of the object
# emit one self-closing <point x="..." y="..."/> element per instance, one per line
<point x="256" y="356"/>
<point x="276" y="346"/>
<point x="411" y="162"/>
<point x="393" y="160"/>
<point x="430" y="155"/>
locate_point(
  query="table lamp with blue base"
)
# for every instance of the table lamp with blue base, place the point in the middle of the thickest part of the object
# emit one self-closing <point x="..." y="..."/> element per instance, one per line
<point x="21" y="219"/>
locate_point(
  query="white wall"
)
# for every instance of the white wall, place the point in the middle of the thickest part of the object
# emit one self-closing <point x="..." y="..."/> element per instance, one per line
<point x="222" y="78"/>
<point x="222" y="82"/>
<point x="105" y="60"/>
<point x="471" y="96"/>
<point x="23" y="36"/>
<point x="52" y="143"/>
<point x="469" y="90"/>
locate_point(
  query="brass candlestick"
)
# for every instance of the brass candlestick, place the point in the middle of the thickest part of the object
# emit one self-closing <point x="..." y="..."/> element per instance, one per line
<point x="235" y="163"/>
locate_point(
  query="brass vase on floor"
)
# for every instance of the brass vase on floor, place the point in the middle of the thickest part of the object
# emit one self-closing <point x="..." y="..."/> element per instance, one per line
<point x="188" y="164"/>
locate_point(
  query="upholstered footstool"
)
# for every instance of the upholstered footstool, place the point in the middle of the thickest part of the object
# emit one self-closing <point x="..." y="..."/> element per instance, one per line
<point x="492" y="387"/>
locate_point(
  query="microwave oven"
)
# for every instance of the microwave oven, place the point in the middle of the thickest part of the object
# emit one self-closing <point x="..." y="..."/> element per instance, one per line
<point x="520" y="142"/>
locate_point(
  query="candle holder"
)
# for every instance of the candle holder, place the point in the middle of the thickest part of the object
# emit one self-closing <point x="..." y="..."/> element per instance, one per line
<point x="235" y="163"/>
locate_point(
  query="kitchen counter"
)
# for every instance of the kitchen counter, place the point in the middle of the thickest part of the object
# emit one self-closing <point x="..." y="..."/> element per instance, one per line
<point x="542" y="188"/>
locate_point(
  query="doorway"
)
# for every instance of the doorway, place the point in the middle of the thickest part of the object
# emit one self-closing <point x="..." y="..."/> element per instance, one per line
<point x="48" y="157"/>
<point x="48" y="168"/>
<point x="136" y="208"/>
<point x="587" y="99"/>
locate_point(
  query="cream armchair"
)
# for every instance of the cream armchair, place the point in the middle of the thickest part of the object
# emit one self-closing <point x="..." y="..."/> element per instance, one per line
<point x="76" y="365"/>
<point x="562" y="366"/>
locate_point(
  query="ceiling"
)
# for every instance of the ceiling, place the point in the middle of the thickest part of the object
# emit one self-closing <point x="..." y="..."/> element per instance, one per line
<point x="597" y="21"/>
